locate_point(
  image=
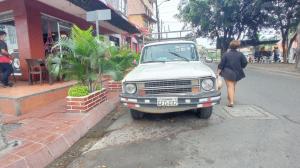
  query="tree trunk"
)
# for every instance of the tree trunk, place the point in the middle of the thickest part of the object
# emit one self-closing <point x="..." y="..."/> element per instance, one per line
<point x="224" y="47"/>
<point x="283" y="44"/>
<point x="291" y="43"/>
<point x="223" y="50"/>
<point x="298" y="48"/>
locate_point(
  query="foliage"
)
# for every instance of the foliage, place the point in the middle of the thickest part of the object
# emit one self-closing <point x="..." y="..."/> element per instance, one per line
<point x="81" y="59"/>
<point x="120" y="61"/>
<point x="283" y="15"/>
<point x="225" y="20"/>
<point x="78" y="91"/>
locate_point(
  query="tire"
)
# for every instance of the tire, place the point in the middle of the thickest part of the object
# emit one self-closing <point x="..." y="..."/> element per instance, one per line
<point x="204" y="113"/>
<point x="136" y="115"/>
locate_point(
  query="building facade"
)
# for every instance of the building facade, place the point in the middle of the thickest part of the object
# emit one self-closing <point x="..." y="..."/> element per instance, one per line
<point x="141" y="13"/>
<point x="34" y="25"/>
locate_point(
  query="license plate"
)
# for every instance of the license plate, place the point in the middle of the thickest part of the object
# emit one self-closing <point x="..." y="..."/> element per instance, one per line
<point x="167" y="101"/>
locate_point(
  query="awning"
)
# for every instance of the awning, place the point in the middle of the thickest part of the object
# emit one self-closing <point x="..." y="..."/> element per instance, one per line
<point x="116" y="19"/>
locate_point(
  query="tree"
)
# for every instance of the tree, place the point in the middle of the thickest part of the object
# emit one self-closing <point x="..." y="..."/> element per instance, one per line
<point x="283" y="15"/>
<point x="224" y="20"/>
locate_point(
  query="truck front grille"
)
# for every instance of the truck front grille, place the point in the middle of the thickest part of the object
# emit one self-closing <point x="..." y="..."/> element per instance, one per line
<point x="169" y="86"/>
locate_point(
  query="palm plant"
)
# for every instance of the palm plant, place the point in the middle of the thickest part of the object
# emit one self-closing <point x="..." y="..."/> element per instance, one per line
<point x="79" y="57"/>
<point x="119" y="62"/>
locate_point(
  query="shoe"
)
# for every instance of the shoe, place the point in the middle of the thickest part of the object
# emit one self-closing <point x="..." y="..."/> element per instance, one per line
<point x="2" y="85"/>
<point x="10" y="85"/>
<point x="229" y="105"/>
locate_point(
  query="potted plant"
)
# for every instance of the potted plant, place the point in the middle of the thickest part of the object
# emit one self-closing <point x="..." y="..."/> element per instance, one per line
<point x="80" y="57"/>
<point x="120" y="62"/>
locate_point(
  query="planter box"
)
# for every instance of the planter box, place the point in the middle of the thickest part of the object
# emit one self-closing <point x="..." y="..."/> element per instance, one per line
<point x="114" y="86"/>
<point x="86" y="103"/>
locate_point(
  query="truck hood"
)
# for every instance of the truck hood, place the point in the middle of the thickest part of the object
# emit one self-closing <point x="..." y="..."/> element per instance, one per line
<point x="169" y="70"/>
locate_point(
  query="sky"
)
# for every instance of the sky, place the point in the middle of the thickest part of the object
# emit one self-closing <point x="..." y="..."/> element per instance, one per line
<point x="167" y="11"/>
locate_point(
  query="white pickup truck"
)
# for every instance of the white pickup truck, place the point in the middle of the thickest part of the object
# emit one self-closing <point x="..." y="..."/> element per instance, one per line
<point x="170" y="77"/>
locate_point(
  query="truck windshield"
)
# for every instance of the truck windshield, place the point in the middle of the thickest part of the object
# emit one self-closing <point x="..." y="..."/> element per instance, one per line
<point x="170" y="53"/>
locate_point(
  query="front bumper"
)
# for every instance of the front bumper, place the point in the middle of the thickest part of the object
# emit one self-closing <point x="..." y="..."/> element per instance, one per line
<point x="185" y="102"/>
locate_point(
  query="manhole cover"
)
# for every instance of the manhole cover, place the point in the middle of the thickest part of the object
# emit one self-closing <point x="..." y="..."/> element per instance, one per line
<point x="248" y="112"/>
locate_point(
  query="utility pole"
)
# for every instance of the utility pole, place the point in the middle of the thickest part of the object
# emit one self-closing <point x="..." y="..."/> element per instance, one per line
<point x="159" y="29"/>
<point x="157" y="19"/>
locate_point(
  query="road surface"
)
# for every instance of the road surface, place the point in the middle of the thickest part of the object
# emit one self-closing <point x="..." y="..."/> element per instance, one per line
<point x="261" y="131"/>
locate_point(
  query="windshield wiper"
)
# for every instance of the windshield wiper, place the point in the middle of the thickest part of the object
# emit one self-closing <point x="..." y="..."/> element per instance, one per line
<point x="179" y="56"/>
<point x="154" y="61"/>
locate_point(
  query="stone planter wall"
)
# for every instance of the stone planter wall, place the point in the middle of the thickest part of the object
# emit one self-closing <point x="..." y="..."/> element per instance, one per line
<point x="86" y="103"/>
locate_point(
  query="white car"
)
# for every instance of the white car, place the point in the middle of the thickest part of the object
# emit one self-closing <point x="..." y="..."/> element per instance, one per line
<point x="170" y="77"/>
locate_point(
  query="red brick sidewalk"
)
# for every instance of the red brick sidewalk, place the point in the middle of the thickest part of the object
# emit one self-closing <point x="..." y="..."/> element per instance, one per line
<point x="49" y="132"/>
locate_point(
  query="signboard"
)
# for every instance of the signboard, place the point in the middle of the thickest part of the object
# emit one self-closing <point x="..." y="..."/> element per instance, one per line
<point x="98" y="15"/>
<point x="16" y="63"/>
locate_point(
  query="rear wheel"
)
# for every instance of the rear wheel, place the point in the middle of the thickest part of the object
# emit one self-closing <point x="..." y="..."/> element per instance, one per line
<point x="137" y="115"/>
<point x="204" y="113"/>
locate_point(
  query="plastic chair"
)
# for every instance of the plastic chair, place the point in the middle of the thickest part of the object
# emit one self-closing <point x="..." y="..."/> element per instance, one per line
<point x="36" y="67"/>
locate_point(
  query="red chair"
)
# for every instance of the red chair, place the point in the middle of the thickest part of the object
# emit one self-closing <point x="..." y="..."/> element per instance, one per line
<point x="36" y="67"/>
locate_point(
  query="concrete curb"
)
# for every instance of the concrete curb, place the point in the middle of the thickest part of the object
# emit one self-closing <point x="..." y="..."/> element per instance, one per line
<point x="37" y="154"/>
<point x="274" y="71"/>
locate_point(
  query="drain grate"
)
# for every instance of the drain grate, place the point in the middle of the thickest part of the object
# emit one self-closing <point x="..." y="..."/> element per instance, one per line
<point x="249" y="112"/>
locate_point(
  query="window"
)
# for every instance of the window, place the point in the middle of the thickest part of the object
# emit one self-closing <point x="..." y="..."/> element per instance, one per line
<point x="146" y="23"/>
<point x="170" y="53"/>
<point x="53" y="29"/>
<point x="7" y="24"/>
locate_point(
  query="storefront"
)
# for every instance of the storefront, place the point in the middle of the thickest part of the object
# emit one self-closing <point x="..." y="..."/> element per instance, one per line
<point x="33" y="26"/>
<point x="7" y="24"/>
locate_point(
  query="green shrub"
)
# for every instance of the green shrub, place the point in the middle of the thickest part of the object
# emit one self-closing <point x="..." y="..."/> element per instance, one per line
<point x="78" y="91"/>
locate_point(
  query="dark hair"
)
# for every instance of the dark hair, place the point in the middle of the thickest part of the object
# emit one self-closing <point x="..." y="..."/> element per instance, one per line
<point x="234" y="44"/>
<point x="2" y="33"/>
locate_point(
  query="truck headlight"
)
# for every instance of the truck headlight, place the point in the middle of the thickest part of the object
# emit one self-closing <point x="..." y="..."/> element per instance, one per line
<point x="130" y="88"/>
<point x="207" y="84"/>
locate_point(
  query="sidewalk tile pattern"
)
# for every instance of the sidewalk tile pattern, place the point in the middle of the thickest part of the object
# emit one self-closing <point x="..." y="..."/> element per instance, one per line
<point x="47" y="133"/>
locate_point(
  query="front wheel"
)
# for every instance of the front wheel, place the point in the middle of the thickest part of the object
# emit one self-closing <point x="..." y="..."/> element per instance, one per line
<point x="204" y="113"/>
<point x="137" y="115"/>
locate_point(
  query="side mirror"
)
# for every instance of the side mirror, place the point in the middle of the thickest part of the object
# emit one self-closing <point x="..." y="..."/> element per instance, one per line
<point x="208" y="60"/>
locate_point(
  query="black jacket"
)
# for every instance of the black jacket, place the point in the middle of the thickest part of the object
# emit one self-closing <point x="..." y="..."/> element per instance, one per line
<point x="232" y="64"/>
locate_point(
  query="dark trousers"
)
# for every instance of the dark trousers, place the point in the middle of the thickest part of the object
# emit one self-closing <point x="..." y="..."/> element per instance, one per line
<point x="6" y="70"/>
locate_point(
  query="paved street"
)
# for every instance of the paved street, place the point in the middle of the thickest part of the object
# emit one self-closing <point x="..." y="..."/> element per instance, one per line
<point x="262" y="131"/>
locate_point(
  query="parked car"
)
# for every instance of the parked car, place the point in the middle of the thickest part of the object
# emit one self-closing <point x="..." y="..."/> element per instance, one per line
<point x="170" y="78"/>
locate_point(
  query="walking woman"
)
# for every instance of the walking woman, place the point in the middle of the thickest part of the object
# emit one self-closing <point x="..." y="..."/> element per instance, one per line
<point x="231" y="69"/>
